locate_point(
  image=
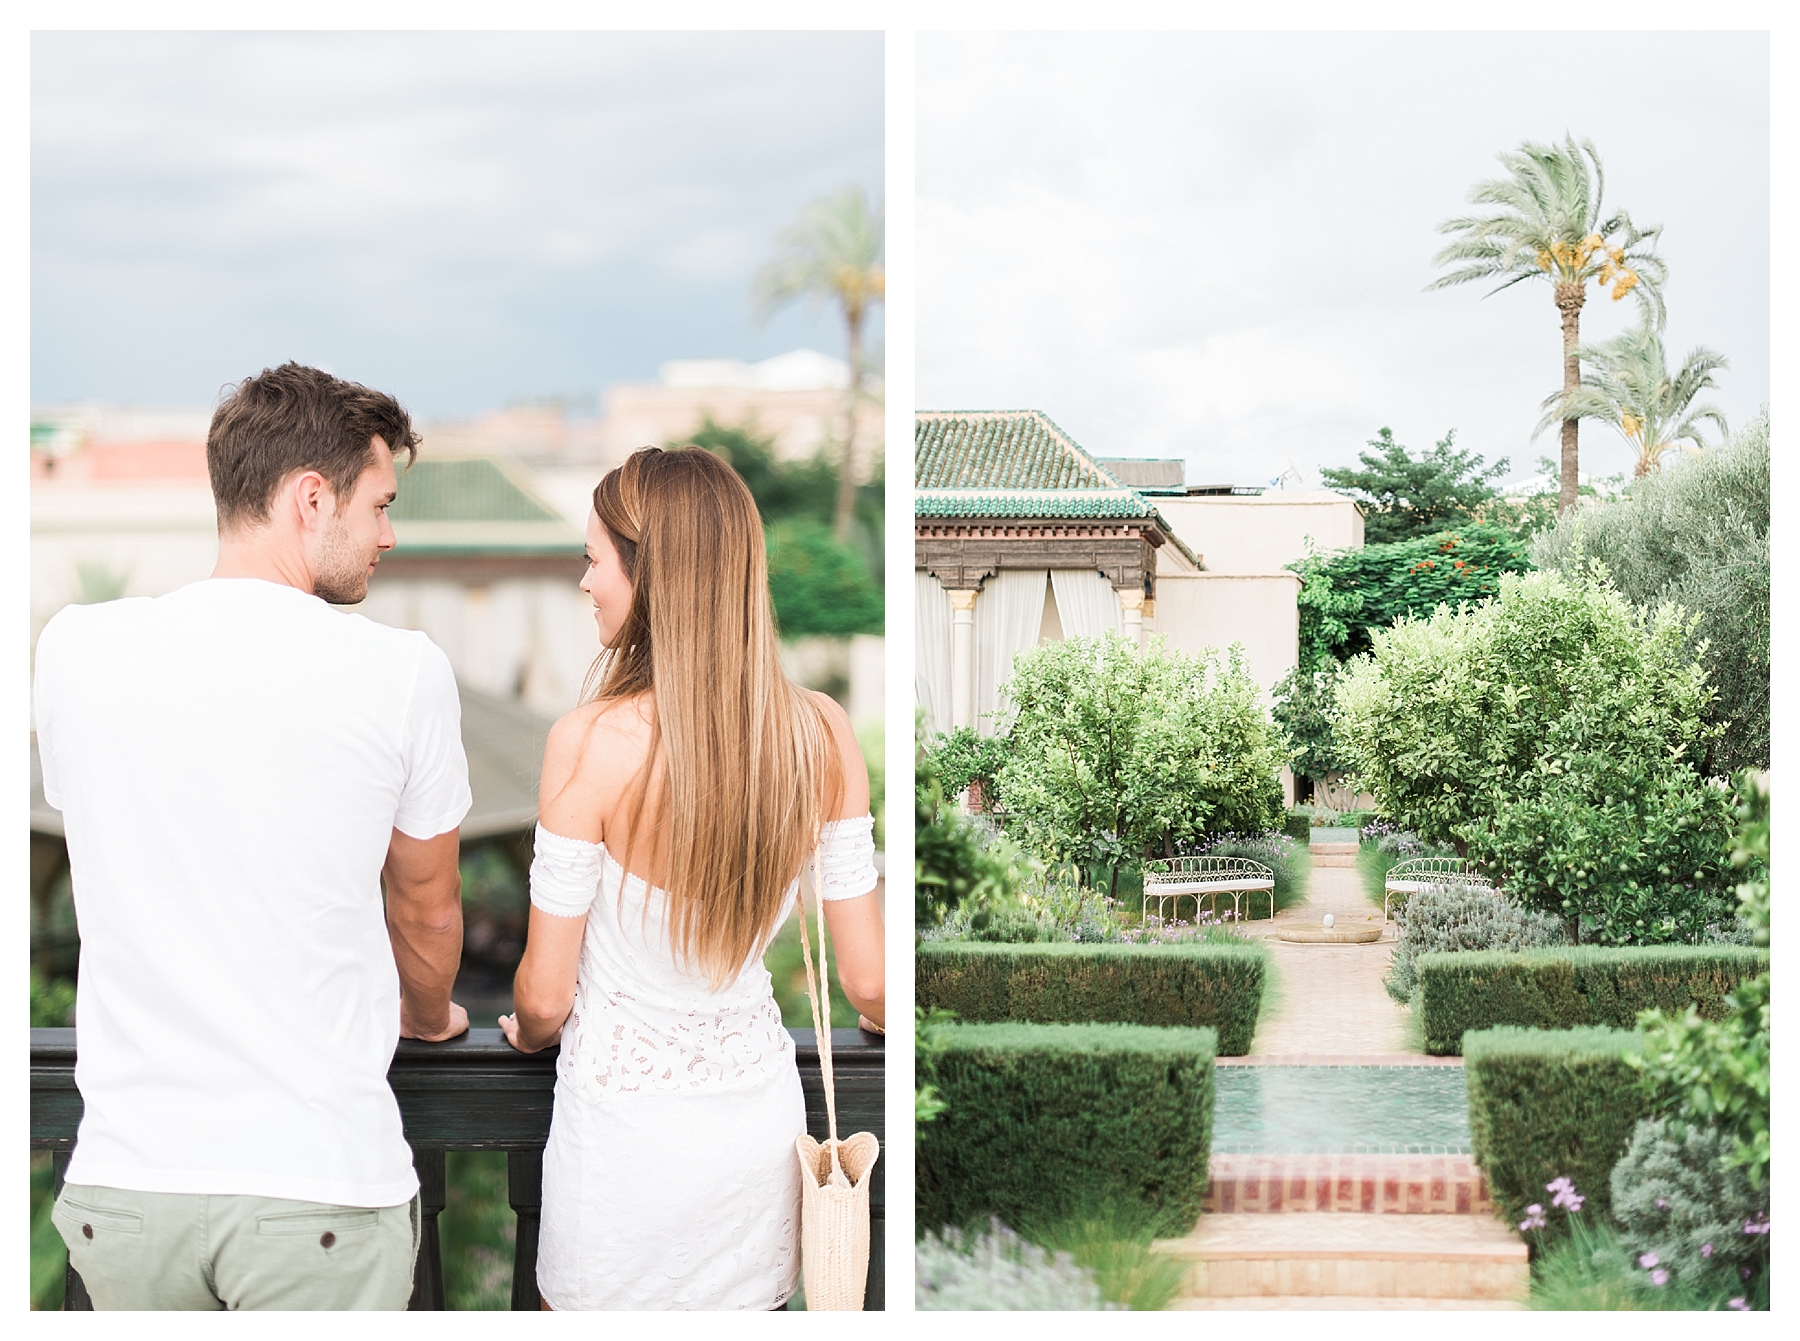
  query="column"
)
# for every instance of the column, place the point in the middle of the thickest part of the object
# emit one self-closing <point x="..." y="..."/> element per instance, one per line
<point x="1132" y="603"/>
<point x="962" y="657"/>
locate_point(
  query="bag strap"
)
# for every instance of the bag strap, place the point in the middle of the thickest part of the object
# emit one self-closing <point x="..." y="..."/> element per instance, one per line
<point x="821" y="1019"/>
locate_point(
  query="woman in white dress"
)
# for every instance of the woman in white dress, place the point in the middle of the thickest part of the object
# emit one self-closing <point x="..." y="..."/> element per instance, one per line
<point x="678" y="807"/>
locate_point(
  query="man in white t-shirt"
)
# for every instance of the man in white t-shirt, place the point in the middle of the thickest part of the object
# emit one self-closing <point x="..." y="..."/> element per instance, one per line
<point x="241" y="769"/>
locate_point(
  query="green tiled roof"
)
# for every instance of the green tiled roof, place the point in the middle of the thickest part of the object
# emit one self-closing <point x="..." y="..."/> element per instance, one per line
<point x="1000" y="449"/>
<point x="1010" y="463"/>
<point x="472" y="506"/>
<point x="476" y="489"/>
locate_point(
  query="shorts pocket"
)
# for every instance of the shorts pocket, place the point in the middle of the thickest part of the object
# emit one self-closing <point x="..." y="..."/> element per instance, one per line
<point x="296" y="1224"/>
<point x="84" y="1219"/>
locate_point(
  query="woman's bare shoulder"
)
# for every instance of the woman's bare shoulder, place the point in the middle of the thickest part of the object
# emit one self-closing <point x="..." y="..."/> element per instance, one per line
<point x="593" y="746"/>
<point x="855" y="800"/>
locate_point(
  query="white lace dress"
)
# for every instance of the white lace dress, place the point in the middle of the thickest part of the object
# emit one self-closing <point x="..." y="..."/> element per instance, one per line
<point x="670" y="1180"/>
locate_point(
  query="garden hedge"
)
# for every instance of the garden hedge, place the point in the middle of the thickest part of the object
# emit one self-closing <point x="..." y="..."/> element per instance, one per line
<point x="1298" y="826"/>
<point x="1204" y="985"/>
<point x="1547" y="1104"/>
<point x="1568" y="987"/>
<point x="1046" y="1122"/>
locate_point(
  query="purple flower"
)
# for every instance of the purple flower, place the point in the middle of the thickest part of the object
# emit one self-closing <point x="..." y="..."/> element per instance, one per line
<point x="1741" y="1304"/>
<point x="1533" y="1221"/>
<point x="1662" y="1203"/>
<point x="1706" y="1250"/>
<point x="1648" y="1260"/>
<point x="1659" y="1277"/>
<point x="1566" y="1198"/>
<point x="1759" y="1225"/>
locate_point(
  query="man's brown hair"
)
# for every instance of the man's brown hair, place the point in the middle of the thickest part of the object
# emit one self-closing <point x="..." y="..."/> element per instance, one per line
<point x="296" y="418"/>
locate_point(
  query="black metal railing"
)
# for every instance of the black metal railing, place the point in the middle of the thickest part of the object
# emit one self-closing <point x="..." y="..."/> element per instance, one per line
<point x="476" y="1093"/>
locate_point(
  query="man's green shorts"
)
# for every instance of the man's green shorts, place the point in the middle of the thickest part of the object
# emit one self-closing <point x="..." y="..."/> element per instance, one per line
<point x="176" y="1250"/>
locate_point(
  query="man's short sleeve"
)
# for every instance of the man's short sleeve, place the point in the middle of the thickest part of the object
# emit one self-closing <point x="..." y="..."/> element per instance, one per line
<point x="436" y="795"/>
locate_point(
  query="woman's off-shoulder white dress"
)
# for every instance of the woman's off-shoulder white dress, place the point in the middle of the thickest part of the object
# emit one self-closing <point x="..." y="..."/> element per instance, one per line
<point x="670" y="1179"/>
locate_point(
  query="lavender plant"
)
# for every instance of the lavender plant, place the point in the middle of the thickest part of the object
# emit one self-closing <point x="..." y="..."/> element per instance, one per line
<point x="997" y="1269"/>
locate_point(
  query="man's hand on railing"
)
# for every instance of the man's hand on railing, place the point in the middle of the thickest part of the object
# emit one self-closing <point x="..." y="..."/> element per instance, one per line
<point x="456" y="1028"/>
<point x="509" y="1026"/>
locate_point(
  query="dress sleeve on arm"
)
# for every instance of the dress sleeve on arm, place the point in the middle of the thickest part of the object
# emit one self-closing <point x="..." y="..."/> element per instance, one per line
<point x="565" y="874"/>
<point x="436" y="793"/>
<point x="847" y="858"/>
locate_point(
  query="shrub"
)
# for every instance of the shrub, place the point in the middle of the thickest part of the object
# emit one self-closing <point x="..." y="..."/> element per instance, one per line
<point x="1718" y="1072"/>
<point x="1633" y="855"/>
<point x="1546" y="1105"/>
<point x="1455" y="718"/>
<point x="1589" y="1270"/>
<point x="1302" y="709"/>
<point x="1696" y="535"/>
<point x="52" y="1002"/>
<point x="1289" y="860"/>
<point x="964" y="757"/>
<point x="1684" y="1212"/>
<point x="955" y="864"/>
<point x="1571" y="987"/>
<point x="1048" y="1122"/>
<point x="997" y="1269"/>
<point x="1115" y="752"/>
<point x="1449" y="918"/>
<point x="1346" y="599"/>
<point x="1218" y="986"/>
<point x="1298" y="826"/>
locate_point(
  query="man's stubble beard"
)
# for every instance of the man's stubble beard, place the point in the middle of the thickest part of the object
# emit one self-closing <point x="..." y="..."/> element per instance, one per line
<point x="343" y="574"/>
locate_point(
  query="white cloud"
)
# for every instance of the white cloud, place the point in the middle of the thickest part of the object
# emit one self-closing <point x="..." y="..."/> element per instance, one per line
<point x="1215" y="245"/>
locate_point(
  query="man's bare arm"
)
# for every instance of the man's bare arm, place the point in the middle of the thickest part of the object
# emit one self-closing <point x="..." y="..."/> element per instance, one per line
<point x="424" y="917"/>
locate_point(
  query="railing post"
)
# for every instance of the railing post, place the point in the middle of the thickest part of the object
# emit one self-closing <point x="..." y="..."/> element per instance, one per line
<point x="75" y="1295"/>
<point x="525" y="1194"/>
<point x="428" y="1271"/>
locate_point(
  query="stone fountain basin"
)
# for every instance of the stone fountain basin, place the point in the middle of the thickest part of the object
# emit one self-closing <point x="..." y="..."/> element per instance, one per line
<point x="1317" y="933"/>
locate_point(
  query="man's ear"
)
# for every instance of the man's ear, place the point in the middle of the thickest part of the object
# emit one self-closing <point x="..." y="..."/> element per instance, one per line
<point x="310" y="497"/>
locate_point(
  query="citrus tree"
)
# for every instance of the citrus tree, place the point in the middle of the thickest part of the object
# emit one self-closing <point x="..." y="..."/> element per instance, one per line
<point x="1116" y="753"/>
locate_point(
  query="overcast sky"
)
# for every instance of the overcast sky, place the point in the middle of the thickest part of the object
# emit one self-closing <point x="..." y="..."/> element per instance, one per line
<point x="462" y="219"/>
<point x="1215" y="246"/>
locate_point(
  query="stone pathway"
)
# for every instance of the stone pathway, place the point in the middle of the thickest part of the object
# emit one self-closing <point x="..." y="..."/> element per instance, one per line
<point x="1332" y="1000"/>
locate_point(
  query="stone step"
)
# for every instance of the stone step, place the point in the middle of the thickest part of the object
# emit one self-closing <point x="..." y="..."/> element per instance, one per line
<point x="1333" y="849"/>
<point x="1332" y="859"/>
<point x="1339" y="1302"/>
<point x="1352" y="1255"/>
<point x="1259" y="1184"/>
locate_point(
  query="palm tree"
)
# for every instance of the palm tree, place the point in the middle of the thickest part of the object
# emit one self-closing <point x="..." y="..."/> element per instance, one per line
<point x="1628" y="386"/>
<point x="1550" y="225"/>
<point x="833" y="255"/>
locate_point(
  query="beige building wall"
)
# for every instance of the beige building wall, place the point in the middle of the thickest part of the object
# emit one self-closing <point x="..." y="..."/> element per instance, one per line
<point x="648" y="414"/>
<point x="1201" y="610"/>
<point x="1262" y="533"/>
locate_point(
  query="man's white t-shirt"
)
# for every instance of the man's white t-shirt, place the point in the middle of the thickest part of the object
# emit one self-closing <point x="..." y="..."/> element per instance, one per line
<point x="231" y="761"/>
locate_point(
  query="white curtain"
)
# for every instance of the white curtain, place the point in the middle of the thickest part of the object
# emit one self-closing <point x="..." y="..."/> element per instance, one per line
<point x="931" y="651"/>
<point x="1008" y="614"/>
<point x="1086" y="602"/>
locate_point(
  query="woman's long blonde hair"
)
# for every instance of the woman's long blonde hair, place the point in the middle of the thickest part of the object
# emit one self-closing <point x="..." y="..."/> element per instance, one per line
<point x="750" y="768"/>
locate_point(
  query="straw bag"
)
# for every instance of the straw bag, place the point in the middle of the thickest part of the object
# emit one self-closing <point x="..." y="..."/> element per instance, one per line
<point x="834" y="1177"/>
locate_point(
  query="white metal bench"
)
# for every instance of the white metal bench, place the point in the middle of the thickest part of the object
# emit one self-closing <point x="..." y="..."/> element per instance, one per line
<point x="1416" y="873"/>
<point x="1168" y="880"/>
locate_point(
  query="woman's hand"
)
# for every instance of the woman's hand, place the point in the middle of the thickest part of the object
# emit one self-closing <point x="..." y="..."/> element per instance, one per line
<point x="509" y="1026"/>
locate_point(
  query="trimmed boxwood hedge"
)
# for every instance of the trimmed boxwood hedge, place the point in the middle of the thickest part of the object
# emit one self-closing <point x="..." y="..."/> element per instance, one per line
<point x="1547" y="1104"/>
<point x="1572" y="986"/>
<point x="1206" y="985"/>
<point x="1046" y="1122"/>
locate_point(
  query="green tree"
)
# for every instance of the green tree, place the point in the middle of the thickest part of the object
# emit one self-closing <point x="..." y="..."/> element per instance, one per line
<point x="833" y="255"/>
<point x="1628" y="385"/>
<point x="1556" y="717"/>
<point x="1116" y="752"/>
<point x="1549" y="223"/>
<point x="1405" y="497"/>
<point x="783" y="490"/>
<point x="1303" y="706"/>
<point x="1345" y="596"/>
<point x="954" y="864"/>
<point x="1697" y="536"/>
<point x="819" y="584"/>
